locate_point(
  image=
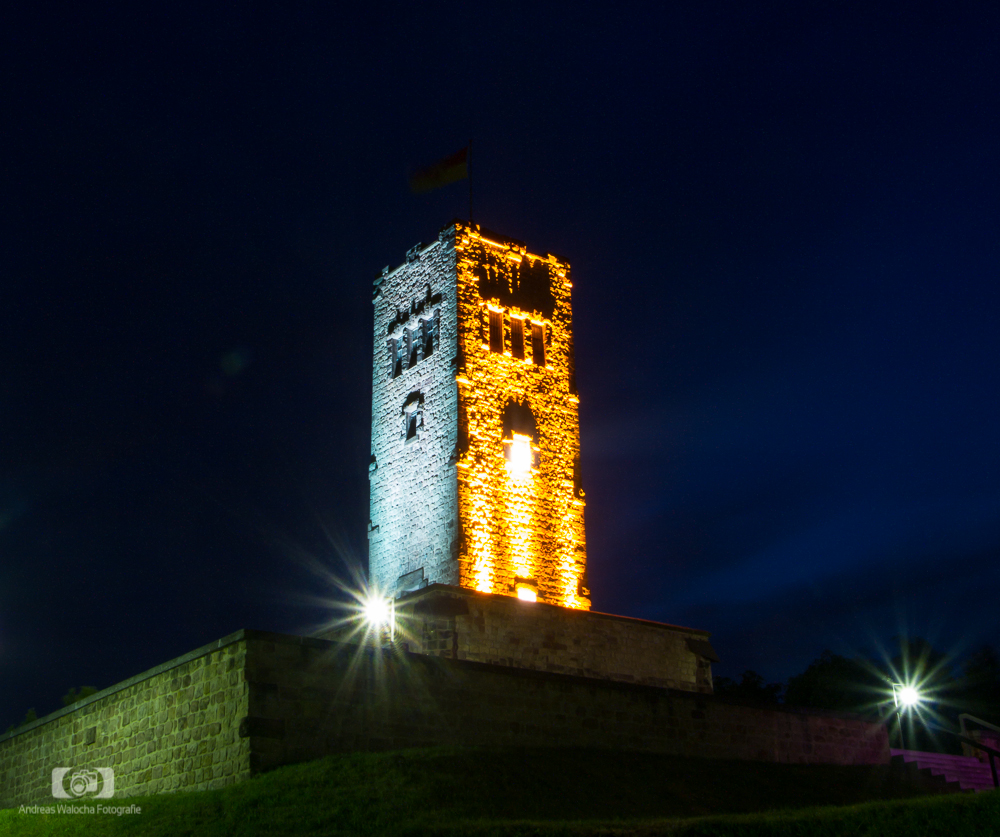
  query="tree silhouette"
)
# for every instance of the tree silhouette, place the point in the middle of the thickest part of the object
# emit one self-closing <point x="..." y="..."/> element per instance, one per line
<point x="750" y="690"/>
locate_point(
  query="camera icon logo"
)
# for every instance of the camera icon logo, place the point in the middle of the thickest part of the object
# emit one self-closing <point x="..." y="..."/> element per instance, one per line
<point x="98" y="783"/>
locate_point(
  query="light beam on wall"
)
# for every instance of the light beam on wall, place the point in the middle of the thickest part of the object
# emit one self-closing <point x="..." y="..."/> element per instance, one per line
<point x="519" y="460"/>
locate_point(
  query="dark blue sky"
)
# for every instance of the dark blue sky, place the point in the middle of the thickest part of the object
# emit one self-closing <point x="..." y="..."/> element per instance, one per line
<point x="782" y="221"/>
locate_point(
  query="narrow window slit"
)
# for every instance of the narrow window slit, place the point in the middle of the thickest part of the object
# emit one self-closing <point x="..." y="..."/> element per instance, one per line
<point x="538" y="343"/>
<point x="496" y="331"/>
<point x="413" y="346"/>
<point x="517" y="337"/>
<point x="395" y="361"/>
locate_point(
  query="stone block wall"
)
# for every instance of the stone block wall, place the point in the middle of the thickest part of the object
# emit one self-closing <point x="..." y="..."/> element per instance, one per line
<point x="309" y="697"/>
<point x="465" y="625"/>
<point x="254" y="701"/>
<point x="173" y="727"/>
<point x="520" y="529"/>
<point x="414" y="528"/>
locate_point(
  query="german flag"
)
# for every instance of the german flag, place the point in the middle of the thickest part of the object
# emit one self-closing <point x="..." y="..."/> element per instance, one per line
<point x="443" y="172"/>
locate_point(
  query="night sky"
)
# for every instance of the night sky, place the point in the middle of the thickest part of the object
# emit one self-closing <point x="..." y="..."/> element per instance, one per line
<point x="783" y="225"/>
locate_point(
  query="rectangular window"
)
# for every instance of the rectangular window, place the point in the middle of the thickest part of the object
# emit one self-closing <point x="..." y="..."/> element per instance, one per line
<point x="430" y="337"/>
<point x="413" y="348"/>
<point x="395" y="362"/>
<point x="538" y="343"/>
<point x="517" y="338"/>
<point x="496" y="331"/>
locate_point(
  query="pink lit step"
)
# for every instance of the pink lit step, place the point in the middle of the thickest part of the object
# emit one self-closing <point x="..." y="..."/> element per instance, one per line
<point x="969" y="772"/>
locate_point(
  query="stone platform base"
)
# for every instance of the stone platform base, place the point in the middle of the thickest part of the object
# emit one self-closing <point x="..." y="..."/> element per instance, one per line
<point x="253" y="701"/>
<point x="461" y="624"/>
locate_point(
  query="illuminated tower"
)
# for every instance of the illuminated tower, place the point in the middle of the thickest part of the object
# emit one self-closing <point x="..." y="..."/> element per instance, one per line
<point x="475" y="428"/>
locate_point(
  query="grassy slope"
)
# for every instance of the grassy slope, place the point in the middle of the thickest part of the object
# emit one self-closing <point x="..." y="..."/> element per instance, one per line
<point x="534" y="791"/>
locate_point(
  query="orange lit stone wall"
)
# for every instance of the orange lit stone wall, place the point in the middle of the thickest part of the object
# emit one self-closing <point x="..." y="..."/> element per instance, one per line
<point x="517" y="530"/>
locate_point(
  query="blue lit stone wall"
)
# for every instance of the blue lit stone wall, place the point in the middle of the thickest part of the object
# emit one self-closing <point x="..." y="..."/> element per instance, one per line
<point x="413" y="529"/>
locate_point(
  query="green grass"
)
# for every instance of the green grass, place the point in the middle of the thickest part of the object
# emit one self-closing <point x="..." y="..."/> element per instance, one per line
<point x="539" y="791"/>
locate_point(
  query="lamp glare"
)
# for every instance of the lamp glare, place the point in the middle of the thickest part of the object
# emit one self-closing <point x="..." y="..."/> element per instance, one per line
<point x="376" y="611"/>
<point x="526" y="594"/>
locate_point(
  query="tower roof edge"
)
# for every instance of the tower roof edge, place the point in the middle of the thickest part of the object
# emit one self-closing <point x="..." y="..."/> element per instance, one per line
<point x="489" y="235"/>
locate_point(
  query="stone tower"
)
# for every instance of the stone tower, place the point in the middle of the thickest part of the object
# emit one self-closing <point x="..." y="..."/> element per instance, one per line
<point x="475" y="429"/>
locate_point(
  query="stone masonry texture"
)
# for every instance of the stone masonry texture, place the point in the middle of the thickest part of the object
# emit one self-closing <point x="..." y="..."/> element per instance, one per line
<point x="515" y="528"/>
<point x="256" y="700"/>
<point x="414" y="523"/>
<point x="309" y="698"/>
<point x="450" y="398"/>
<point x="174" y="727"/>
<point x="457" y="623"/>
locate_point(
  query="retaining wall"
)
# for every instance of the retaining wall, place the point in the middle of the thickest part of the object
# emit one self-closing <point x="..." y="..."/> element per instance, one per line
<point x="309" y="697"/>
<point x="443" y="621"/>
<point x="173" y="727"/>
<point x="254" y="700"/>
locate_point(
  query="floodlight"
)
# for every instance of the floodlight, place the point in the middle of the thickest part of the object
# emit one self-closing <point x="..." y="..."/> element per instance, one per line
<point x="526" y="594"/>
<point x="377" y="611"/>
<point x="905" y="696"/>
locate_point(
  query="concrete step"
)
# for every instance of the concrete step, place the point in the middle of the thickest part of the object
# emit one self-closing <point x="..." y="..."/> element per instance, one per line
<point x="968" y="772"/>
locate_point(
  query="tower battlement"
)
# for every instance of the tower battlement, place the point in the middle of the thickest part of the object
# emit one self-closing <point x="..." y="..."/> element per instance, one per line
<point x="475" y="424"/>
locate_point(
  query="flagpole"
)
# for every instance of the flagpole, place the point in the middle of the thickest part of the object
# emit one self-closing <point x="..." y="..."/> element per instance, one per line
<point x="468" y="163"/>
